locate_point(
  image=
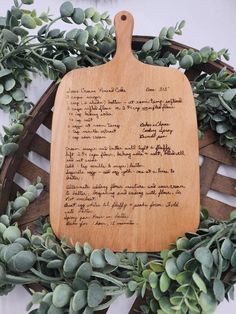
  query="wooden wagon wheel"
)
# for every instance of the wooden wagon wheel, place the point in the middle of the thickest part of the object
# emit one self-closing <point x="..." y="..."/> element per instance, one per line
<point x="214" y="155"/>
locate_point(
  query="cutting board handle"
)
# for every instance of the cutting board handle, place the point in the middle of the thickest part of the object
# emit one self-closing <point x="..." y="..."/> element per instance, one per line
<point x="124" y="24"/>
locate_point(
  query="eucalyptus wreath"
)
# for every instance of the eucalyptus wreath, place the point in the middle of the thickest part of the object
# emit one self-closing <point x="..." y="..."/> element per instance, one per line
<point x="189" y="277"/>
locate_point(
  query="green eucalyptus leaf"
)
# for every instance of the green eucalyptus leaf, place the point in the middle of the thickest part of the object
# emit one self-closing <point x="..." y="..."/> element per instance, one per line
<point x="153" y="280"/>
<point x="219" y="289"/>
<point x="206" y="272"/>
<point x="61" y="295"/>
<point x="165" y="305"/>
<point x="182" y="243"/>
<point x="182" y="260"/>
<point x="88" y="310"/>
<point x="5" y="99"/>
<point x="100" y="34"/>
<point x="87" y="249"/>
<point x="207" y="302"/>
<point x="1" y="88"/>
<point x="171" y="268"/>
<point x="186" y="62"/>
<point x="79" y="300"/>
<point x="84" y="271"/>
<point x="22" y="261"/>
<point x="231" y="293"/>
<point x="28" y="21"/>
<point x="204" y="256"/>
<point x="27" y="1"/>
<point x="37" y="297"/>
<point x="9" y="36"/>
<point x="49" y="254"/>
<point x="206" y="52"/>
<point x="146" y="273"/>
<point x="199" y="282"/>
<point x="18" y="213"/>
<point x="9" y="84"/>
<point x="11" y="233"/>
<point x="111" y="257"/>
<point x="5" y="72"/>
<point x="143" y="290"/>
<point x="222" y="128"/>
<point x="43" y="308"/>
<point x="156" y="44"/>
<point x="9" y="148"/>
<point x="218" y="117"/>
<point x="149" y="60"/>
<point x="55" y="310"/>
<point x="29" y="195"/>
<point x="31" y="188"/>
<point x="54" y="33"/>
<point x="24" y="242"/>
<point x="197" y="58"/>
<point x="70" y="63"/>
<point x="60" y="66"/>
<point x="156" y="267"/>
<point x="20" y="201"/>
<point x="82" y="37"/>
<point x="78" y="248"/>
<point x="10" y="250"/>
<point x="164" y="282"/>
<point x="132" y="285"/>
<point x="233" y="259"/>
<point x="72" y="262"/>
<point x="5" y="220"/>
<point x="2" y="228"/>
<point x="184" y="277"/>
<point x="92" y="30"/>
<point x="55" y="264"/>
<point x="18" y="94"/>
<point x="95" y="295"/>
<point x="156" y="293"/>
<point x="163" y="33"/>
<point x="89" y="12"/>
<point x="227" y="249"/>
<point x="148" y="45"/>
<point x="72" y="34"/>
<point x="176" y="301"/>
<point x="38" y="21"/>
<point x="66" y="9"/>
<point x="97" y="259"/>
<point x="229" y="94"/>
<point x="170" y="32"/>
<point x="96" y="17"/>
<point x="79" y="284"/>
<point x="78" y="16"/>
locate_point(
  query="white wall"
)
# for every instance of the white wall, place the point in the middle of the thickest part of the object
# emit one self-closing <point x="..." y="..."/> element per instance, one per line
<point x="209" y="22"/>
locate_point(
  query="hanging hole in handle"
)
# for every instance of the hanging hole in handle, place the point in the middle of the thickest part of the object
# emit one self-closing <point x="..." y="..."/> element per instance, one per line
<point x="123" y="17"/>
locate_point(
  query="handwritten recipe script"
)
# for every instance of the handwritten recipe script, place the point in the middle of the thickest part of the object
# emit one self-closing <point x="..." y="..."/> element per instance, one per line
<point x="125" y="160"/>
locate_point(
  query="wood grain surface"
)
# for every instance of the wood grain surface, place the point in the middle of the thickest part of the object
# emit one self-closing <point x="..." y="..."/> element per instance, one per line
<point x="42" y="114"/>
<point x="124" y="153"/>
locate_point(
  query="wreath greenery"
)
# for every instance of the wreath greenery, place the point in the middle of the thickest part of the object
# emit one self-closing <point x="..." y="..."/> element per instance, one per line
<point x="186" y="278"/>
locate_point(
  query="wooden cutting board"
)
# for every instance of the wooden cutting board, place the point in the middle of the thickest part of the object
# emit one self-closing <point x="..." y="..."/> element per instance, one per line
<point x="124" y="153"/>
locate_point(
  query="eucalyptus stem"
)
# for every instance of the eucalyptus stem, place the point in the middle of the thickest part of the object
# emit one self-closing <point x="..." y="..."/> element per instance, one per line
<point x="218" y="234"/>
<point x="107" y="278"/>
<point x="44" y="277"/>
<point x="21" y="280"/>
<point x="40" y="57"/>
<point x="115" y="292"/>
<point x="105" y="305"/>
<point x="52" y="22"/>
<point x="224" y="104"/>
